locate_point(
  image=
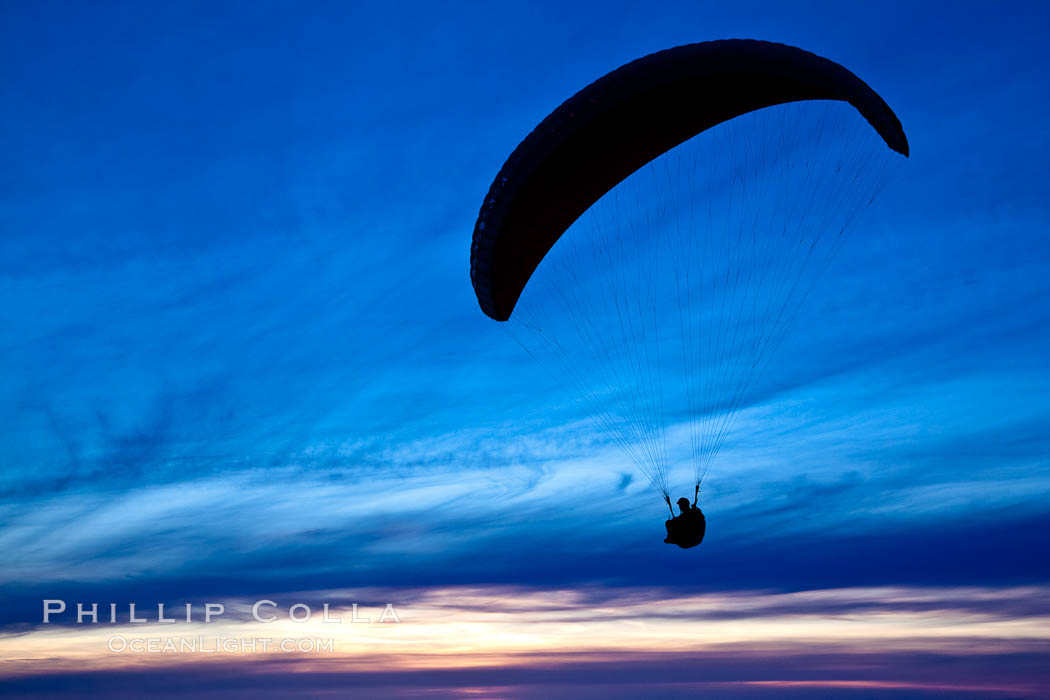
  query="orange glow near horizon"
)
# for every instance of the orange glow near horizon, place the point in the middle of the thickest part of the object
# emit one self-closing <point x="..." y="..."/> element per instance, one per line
<point x="501" y="626"/>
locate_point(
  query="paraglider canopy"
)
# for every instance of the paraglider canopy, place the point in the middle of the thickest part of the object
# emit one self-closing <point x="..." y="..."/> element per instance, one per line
<point x="683" y="207"/>
<point x="627" y="118"/>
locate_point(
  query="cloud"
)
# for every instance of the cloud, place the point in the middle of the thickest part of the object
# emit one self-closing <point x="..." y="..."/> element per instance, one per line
<point x="523" y="642"/>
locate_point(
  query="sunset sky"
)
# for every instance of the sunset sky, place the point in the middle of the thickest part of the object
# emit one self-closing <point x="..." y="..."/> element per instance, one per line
<point x="243" y="361"/>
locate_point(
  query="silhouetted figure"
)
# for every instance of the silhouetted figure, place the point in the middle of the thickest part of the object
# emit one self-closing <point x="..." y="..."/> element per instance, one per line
<point x="688" y="528"/>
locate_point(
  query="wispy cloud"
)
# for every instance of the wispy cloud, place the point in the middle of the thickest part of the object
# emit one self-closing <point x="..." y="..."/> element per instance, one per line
<point x="460" y="636"/>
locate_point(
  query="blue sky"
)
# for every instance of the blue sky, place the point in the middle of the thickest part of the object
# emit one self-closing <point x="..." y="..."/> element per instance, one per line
<point x="242" y="353"/>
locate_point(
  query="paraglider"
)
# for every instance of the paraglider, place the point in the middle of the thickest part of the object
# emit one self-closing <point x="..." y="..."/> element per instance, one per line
<point x="682" y="207"/>
<point x="687" y="529"/>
